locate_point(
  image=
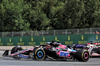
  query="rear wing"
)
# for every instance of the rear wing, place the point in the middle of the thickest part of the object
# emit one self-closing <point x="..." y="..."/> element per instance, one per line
<point x="94" y="43"/>
<point x="6" y="53"/>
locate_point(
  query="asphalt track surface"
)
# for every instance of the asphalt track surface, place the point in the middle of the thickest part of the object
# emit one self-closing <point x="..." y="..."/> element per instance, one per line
<point x="8" y="61"/>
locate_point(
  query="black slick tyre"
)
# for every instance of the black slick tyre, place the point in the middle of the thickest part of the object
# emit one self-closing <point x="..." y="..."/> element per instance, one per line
<point x="16" y="49"/>
<point x="39" y="54"/>
<point x="82" y="55"/>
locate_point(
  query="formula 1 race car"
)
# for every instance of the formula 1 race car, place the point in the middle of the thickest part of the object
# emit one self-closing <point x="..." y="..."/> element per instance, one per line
<point x="52" y="50"/>
<point x="93" y="48"/>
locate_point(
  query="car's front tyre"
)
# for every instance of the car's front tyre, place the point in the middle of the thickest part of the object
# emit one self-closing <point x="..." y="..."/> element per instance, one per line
<point x="82" y="55"/>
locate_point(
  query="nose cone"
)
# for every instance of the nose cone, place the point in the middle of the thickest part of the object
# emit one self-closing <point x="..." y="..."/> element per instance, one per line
<point x="73" y="50"/>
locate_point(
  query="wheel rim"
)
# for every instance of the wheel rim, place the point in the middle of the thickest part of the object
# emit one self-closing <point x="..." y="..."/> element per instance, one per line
<point x="86" y="56"/>
<point x="39" y="54"/>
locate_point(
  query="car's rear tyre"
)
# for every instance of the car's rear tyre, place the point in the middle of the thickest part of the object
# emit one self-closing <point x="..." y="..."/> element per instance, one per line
<point x="16" y="49"/>
<point x="39" y="54"/>
<point x="82" y="55"/>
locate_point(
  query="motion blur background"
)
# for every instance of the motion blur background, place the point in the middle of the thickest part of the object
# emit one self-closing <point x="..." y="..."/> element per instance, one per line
<point x="30" y="22"/>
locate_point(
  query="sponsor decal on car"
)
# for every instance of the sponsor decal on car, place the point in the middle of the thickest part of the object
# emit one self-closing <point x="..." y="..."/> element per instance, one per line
<point x="64" y="54"/>
<point x="80" y="45"/>
<point x="23" y="56"/>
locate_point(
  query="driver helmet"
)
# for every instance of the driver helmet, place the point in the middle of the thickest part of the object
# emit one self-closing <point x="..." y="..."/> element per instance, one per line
<point x="19" y="46"/>
<point x="54" y="43"/>
<point x="91" y="42"/>
<point x="48" y="42"/>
